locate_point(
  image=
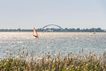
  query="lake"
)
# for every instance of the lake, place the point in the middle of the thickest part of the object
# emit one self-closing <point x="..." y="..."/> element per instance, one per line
<point x="15" y="43"/>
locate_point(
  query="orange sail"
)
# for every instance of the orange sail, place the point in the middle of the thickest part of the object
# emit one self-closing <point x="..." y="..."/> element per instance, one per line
<point x="35" y="34"/>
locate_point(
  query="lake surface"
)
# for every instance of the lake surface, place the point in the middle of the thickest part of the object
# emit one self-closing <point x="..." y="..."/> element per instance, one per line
<point x="15" y="43"/>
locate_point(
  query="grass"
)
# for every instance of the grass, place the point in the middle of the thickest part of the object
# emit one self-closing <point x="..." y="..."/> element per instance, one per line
<point x="48" y="63"/>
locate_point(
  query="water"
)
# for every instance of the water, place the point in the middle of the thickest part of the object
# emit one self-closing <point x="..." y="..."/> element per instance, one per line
<point x="15" y="43"/>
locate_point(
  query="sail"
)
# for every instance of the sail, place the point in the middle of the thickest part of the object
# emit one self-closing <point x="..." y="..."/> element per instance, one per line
<point x="35" y="34"/>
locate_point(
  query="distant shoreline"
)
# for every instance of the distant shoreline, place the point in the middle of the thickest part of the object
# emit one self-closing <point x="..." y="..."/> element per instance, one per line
<point x="55" y="30"/>
<point x="45" y="32"/>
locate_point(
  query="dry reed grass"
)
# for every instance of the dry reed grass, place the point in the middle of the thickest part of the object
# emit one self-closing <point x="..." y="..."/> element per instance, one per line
<point x="48" y="63"/>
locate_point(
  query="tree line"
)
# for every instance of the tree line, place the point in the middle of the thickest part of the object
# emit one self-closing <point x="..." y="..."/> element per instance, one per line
<point x="55" y="30"/>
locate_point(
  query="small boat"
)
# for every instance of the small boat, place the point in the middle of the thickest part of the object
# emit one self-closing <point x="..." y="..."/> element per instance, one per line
<point x="35" y="33"/>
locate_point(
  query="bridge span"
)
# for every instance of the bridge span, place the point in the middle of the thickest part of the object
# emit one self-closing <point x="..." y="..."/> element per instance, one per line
<point x="52" y="25"/>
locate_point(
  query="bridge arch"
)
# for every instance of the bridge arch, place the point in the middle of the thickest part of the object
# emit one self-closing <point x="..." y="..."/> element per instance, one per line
<point x="52" y="25"/>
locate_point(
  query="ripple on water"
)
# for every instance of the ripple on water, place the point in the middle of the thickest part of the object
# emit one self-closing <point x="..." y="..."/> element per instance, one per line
<point x="53" y="42"/>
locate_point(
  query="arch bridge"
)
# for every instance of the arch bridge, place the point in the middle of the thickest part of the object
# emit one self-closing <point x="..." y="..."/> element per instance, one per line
<point x="52" y="25"/>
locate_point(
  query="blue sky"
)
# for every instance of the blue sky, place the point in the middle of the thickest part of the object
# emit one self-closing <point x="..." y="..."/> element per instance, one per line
<point x="66" y="13"/>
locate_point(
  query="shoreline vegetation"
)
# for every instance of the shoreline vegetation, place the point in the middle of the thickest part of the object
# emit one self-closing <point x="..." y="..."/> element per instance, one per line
<point x="71" y="62"/>
<point x="55" y="30"/>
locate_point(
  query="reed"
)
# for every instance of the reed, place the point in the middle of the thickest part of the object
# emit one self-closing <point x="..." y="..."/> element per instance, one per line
<point x="70" y="62"/>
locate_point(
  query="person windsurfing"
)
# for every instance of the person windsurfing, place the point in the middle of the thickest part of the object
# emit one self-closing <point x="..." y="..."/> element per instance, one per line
<point x="35" y="33"/>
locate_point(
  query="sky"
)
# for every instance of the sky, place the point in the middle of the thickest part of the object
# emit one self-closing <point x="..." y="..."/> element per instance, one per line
<point x="27" y="14"/>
